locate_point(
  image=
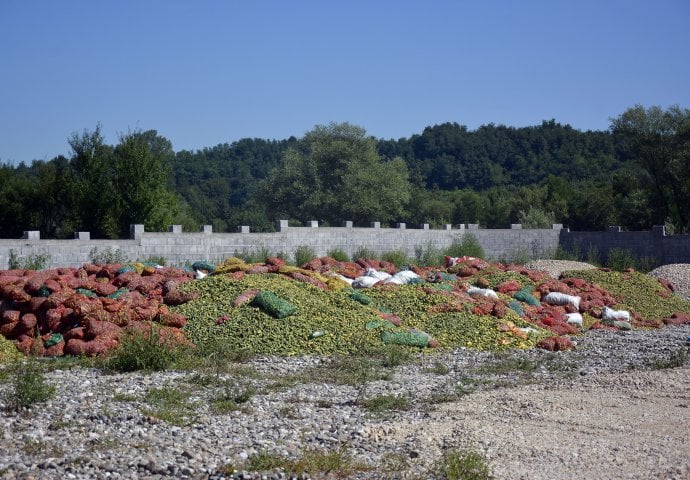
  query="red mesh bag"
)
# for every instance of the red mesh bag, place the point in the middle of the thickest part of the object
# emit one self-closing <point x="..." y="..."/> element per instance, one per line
<point x="313" y="264"/>
<point x="105" y="289"/>
<point x="57" y="350"/>
<point x="78" y="333"/>
<point x="678" y="318"/>
<point x="245" y="297"/>
<point x="300" y="277"/>
<point x="391" y="317"/>
<point x="327" y="262"/>
<point x="36" y="303"/>
<point x="10" y="316"/>
<point x="123" y="279"/>
<point x="175" y="320"/>
<point x="28" y="322"/>
<point x="256" y="269"/>
<point x="553" y="285"/>
<point x="509" y="287"/>
<point x="178" y="298"/>
<point x="101" y="329"/>
<point x="10" y="330"/>
<point x="275" y="261"/>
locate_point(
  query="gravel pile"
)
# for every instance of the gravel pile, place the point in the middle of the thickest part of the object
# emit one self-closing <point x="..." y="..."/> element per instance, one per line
<point x="678" y="274"/>
<point x="106" y="426"/>
<point x="556" y="267"/>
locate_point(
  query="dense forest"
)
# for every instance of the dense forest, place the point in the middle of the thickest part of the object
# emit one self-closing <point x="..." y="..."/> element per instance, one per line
<point x="636" y="174"/>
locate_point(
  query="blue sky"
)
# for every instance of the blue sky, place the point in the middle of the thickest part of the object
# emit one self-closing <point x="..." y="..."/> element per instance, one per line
<point x="208" y="72"/>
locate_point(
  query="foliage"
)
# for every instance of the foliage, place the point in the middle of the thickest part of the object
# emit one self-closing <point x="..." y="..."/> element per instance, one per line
<point x="107" y="255"/>
<point x="635" y="175"/>
<point x="28" y="387"/>
<point x="364" y="252"/>
<point x="468" y="244"/>
<point x="146" y="351"/>
<point x="465" y="465"/>
<point x="335" y="173"/>
<point x="429" y="255"/>
<point x="33" y="261"/>
<point x="396" y="257"/>
<point x="338" y="254"/>
<point x="384" y="403"/>
<point x="535" y="217"/>
<point x="303" y="254"/>
<point x="659" y="141"/>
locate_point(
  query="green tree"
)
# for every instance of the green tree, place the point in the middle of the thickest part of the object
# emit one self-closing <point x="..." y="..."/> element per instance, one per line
<point x="659" y="140"/>
<point x="140" y="175"/>
<point x="94" y="192"/>
<point x="335" y="173"/>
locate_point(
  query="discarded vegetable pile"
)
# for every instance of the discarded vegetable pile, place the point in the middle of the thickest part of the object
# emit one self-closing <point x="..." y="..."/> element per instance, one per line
<point x="326" y="306"/>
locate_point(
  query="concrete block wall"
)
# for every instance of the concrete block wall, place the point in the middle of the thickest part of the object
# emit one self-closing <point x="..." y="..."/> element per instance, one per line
<point x="179" y="247"/>
<point x="654" y="244"/>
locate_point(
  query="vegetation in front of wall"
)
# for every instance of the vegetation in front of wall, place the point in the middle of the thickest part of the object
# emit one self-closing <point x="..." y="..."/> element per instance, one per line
<point x="33" y="261"/>
<point x="107" y="256"/>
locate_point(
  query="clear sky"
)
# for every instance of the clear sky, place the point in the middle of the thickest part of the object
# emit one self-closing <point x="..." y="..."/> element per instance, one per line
<point x="204" y="72"/>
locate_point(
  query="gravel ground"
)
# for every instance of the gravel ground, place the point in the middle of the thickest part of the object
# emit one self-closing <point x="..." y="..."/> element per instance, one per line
<point x="615" y="408"/>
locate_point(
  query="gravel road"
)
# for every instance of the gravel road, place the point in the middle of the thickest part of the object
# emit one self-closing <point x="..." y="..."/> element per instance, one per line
<point x="618" y="407"/>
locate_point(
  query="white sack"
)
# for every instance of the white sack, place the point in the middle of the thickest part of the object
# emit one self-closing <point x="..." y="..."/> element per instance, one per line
<point x="557" y="298"/>
<point x="487" y="292"/>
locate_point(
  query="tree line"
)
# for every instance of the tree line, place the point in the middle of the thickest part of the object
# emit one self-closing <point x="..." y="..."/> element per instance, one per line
<point x="635" y="174"/>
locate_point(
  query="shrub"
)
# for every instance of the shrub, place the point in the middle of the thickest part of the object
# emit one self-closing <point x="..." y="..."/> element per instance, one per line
<point x="33" y="261"/>
<point x="535" y="217"/>
<point x="339" y="255"/>
<point x="139" y="351"/>
<point x="468" y="244"/>
<point x="28" y="387"/>
<point x="107" y="255"/>
<point x="364" y="252"/>
<point x="465" y="465"/>
<point x="303" y="254"/>
<point x="620" y="258"/>
<point x="429" y="255"/>
<point x="396" y="257"/>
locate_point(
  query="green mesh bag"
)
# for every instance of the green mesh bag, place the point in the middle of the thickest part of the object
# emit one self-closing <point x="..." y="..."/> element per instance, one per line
<point x="125" y="269"/>
<point x="361" y="298"/>
<point x="86" y="292"/>
<point x="209" y="267"/>
<point x="412" y="339"/>
<point x="118" y="293"/>
<point x="525" y="296"/>
<point x="273" y="305"/>
<point x="43" y="291"/>
<point x="516" y="307"/>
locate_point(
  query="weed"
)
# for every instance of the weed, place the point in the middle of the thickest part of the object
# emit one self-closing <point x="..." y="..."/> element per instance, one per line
<point x="678" y="358"/>
<point x="468" y="244"/>
<point x="385" y="403"/>
<point x="396" y="355"/>
<point x="28" y="387"/>
<point x="429" y="255"/>
<point x="339" y="255"/>
<point x="620" y="259"/>
<point x="170" y="405"/>
<point x="33" y="261"/>
<point x="107" y="255"/>
<point x="364" y="252"/>
<point x="125" y="397"/>
<point x="504" y="364"/>
<point x="145" y="351"/>
<point x="396" y="257"/>
<point x="464" y="465"/>
<point x="303" y="254"/>
<point x="232" y="397"/>
<point x="156" y="259"/>
<point x="438" y="368"/>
